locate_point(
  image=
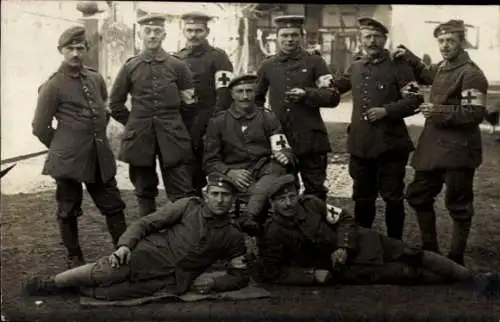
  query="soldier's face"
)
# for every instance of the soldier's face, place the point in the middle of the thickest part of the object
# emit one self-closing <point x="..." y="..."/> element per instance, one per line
<point x="73" y="54"/>
<point x="372" y="41"/>
<point x="195" y="33"/>
<point x="285" y="204"/>
<point x="218" y="199"/>
<point x="243" y="95"/>
<point x="289" y="39"/>
<point x="450" y="45"/>
<point x="152" y="37"/>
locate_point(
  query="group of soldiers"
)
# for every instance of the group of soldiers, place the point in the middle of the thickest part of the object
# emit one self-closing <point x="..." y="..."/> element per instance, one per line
<point x="218" y="146"/>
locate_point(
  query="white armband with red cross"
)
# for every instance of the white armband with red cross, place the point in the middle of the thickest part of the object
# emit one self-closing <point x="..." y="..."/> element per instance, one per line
<point x="222" y="78"/>
<point x="333" y="214"/>
<point x="279" y="142"/>
<point x="474" y="97"/>
<point x="325" y="81"/>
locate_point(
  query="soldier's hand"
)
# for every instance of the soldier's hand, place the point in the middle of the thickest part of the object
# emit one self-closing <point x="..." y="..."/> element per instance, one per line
<point x="204" y="286"/>
<point x="120" y="257"/>
<point x="322" y="275"/>
<point x="281" y="157"/>
<point x="295" y="94"/>
<point x="376" y="113"/>
<point x="243" y="178"/>
<point x="313" y="51"/>
<point x="402" y="52"/>
<point x="426" y="109"/>
<point x="338" y="258"/>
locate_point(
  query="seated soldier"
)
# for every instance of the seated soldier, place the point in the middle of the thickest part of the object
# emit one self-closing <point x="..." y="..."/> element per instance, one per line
<point x="165" y="250"/>
<point x="247" y="144"/>
<point x="309" y="242"/>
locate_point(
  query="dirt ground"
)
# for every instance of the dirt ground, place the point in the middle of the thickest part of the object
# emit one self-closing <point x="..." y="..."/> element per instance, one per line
<point x="30" y="245"/>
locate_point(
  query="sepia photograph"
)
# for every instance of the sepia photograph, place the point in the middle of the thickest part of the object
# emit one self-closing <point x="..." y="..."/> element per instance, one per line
<point x="227" y="161"/>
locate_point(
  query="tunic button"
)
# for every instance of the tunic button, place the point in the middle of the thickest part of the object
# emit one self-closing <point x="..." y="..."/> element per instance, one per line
<point x="288" y="110"/>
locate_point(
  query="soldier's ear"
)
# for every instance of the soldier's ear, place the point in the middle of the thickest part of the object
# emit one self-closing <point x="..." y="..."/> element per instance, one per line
<point x="208" y="31"/>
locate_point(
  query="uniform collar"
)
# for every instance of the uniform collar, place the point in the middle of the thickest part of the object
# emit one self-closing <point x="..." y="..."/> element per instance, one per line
<point x="296" y="55"/>
<point x="199" y="49"/>
<point x="460" y="60"/>
<point x="299" y="217"/>
<point x="71" y="71"/>
<point x="161" y="55"/>
<point x="377" y="60"/>
<point x="214" y="221"/>
<point x="238" y="114"/>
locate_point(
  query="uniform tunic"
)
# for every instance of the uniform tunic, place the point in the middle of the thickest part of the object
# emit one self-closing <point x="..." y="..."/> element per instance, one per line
<point x="292" y="248"/>
<point x="212" y="70"/>
<point x="451" y="138"/>
<point x="78" y="147"/>
<point x="182" y="240"/>
<point x="449" y="148"/>
<point x="380" y="82"/>
<point x="158" y="86"/>
<point x="302" y="122"/>
<point x="237" y="141"/>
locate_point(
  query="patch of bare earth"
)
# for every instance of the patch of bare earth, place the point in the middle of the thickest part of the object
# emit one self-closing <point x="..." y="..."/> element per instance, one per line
<point x="30" y="245"/>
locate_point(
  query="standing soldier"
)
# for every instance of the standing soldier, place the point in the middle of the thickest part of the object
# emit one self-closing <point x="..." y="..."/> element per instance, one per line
<point x="159" y="85"/>
<point x="384" y="92"/>
<point x="449" y="149"/>
<point x="299" y="84"/>
<point x="79" y="151"/>
<point x="212" y="71"/>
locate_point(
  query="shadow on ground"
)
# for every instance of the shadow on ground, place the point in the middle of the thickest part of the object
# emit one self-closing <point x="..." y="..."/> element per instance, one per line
<point x="30" y="245"/>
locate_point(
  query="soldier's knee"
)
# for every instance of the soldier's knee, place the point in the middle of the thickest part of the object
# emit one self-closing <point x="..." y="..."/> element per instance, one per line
<point x="103" y="274"/>
<point x="464" y="215"/>
<point x="63" y="214"/>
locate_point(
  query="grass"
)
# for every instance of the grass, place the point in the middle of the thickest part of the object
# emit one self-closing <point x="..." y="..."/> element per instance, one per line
<point x="31" y="245"/>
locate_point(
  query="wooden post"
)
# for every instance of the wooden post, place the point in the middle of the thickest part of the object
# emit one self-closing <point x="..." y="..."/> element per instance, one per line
<point x="91" y="24"/>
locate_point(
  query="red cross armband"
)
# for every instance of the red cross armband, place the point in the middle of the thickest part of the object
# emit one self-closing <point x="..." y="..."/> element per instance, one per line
<point x="473" y="97"/>
<point x="279" y="142"/>
<point x="333" y="214"/>
<point x="222" y="78"/>
<point x="411" y="89"/>
<point x="325" y="81"/>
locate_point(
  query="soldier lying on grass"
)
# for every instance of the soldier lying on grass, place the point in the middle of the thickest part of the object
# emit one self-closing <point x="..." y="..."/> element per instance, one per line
<point x="165" y="250"/>
<point x="309" y="242"/>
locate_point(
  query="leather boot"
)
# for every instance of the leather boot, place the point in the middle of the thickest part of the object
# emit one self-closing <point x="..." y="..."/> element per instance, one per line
<point x="116" y="226"/>
<point x="364" y="213"/>
<point x="68" y="228"/>
<point x="459" y="238"/>
<point x="427" y="224"/>
<point x="395" y="219"/>
<point x="146" y="206"/>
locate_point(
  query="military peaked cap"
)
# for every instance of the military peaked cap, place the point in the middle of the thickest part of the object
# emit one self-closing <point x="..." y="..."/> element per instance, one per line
<point x="243" y="79"/>
<point x="291" y="21"/>
<point x="153" y="19"/>
<point x="196" y="17"/>
<point x="449" y="27"/>
<point x="71" y="36"/>
<point x="283" y="184"/>
<point x="220" y="180"/>
<point x="367" y="23"/>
